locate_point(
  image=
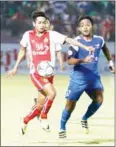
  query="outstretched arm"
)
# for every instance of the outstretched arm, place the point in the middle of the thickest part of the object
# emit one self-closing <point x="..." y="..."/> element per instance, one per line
<point x="77" y="43"/>
<point x="61" y="39"/>
<point x="21" y="56"/>
<point x="109" y="58"/>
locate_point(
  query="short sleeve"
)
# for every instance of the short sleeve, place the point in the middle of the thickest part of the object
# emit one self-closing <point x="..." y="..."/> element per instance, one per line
<point x="57" y="37"/>
<point x="58" y="47"/>
<point x="76" y="47"/>
<point x="24" y="40"/>
<point x="72" y="52"/>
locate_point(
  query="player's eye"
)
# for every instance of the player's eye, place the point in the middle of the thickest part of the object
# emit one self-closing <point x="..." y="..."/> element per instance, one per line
<point x="82" y="26"/>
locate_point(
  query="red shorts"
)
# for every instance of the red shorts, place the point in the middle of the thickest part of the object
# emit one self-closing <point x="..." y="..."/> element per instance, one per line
<point x="40" y="82"/>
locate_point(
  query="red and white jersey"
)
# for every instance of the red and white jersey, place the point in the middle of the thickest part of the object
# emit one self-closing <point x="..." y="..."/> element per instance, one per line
<point x="41" y="48"/>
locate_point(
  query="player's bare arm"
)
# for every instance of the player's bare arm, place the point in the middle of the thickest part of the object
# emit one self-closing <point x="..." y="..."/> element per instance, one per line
<point x="60" y="59"/>
<point x="21" y="56"/>
<point x="77" y="43"/>
<point x="73" y="61"/>
<point x="109" y="58"/>
<point x="28" y="61"/>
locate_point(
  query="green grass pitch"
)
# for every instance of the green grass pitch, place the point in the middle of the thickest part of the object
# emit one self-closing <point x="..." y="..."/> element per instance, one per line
<point x="17" y="95"/>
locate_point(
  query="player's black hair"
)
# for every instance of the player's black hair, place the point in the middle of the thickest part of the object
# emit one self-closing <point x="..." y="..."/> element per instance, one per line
<point x="36" y="14"/>
<point x="85" y="17"/>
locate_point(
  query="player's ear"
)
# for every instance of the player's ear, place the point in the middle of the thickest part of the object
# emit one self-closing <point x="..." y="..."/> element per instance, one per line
<point x="34" y="24"/>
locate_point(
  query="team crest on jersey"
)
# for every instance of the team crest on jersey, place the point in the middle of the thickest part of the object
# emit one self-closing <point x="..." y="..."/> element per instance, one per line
<point x="70" y="52"/>
<point x="45" y="40"/>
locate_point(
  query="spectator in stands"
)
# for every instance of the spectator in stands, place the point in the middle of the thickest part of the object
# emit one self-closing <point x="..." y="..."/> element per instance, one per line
<point x="107" y="27"/>
<point x="16" y="16"/>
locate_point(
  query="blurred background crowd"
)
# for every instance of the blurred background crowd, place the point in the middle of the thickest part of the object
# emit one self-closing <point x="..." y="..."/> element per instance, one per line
<point x="16" y="17"/>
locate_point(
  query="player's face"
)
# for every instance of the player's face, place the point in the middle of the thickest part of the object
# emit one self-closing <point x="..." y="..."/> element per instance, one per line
<point x="85" y="27"/>
<point x="40" y="24"/>
<point x="47" y="25"/>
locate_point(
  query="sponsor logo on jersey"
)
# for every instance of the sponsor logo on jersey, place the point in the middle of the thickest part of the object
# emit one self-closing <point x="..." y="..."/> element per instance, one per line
<point x="41" y="49"/>
<point x="97" y="45"/>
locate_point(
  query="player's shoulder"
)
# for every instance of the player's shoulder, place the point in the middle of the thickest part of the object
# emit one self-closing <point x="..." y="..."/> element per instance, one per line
<point x="52" y="32"/>
<point x="28" y="32"/>
<point x="98" y="37"/>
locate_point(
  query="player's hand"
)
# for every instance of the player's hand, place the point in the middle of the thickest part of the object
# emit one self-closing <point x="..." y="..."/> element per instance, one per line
<point x="112" y="69"/>
<point x="11" y="72"/>
<point x="62" y="67"/>
<point x="88" y="59"/>
<point x="90" y="48"/>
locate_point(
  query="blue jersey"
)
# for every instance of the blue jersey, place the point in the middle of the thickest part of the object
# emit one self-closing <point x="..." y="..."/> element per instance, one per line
<point x="91" y="68"/>
<point x="85" y="76"/>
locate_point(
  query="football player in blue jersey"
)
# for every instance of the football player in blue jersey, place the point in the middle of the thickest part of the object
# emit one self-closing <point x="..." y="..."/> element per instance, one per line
<point x="85" y="76"/>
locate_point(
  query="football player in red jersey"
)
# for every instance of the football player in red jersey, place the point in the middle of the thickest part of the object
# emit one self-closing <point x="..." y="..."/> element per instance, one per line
<point x="58" y="47"/>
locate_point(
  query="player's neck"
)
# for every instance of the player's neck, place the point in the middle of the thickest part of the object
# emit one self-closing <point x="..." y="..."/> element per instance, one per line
<point x="39" y="34"/>
<point x="87" y="38"/>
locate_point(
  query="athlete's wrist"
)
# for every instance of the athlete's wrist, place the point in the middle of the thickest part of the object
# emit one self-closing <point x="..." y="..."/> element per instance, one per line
<point x="16" y="67"/>
<point x="110" y="63"/>
<point x="79" y="61"/>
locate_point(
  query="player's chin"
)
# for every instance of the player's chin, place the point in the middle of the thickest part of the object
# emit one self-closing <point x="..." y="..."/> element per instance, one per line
<point x="42" y="30"/>
<point x="86" y="33"/>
